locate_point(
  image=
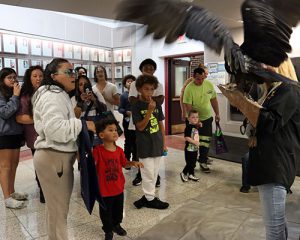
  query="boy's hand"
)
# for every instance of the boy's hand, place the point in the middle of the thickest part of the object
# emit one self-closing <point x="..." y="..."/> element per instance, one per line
<point x="137" y="164"/>
<point x="152" y="105"/>
<point x="199" y="124"/>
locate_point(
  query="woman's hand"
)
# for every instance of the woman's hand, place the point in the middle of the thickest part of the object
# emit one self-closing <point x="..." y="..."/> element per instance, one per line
<point x="17" y="89"/>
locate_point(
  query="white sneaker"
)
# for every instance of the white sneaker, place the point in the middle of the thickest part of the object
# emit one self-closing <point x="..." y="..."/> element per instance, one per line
<point x="19" y="196"/>
<point x="14" y="204"/>
<point x="183" y="177"/>
<point x="192" y="177"/>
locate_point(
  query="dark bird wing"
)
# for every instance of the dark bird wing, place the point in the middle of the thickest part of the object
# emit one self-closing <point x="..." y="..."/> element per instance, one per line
<point x="170" y="19"/>
<point x="268" y="28"/>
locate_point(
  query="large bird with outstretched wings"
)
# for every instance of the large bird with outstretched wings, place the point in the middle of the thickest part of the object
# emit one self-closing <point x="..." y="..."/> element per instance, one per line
<point x="267" y="31"/>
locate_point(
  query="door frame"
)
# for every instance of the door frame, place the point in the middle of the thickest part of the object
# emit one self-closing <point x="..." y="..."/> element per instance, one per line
<point x="167" y="89"/>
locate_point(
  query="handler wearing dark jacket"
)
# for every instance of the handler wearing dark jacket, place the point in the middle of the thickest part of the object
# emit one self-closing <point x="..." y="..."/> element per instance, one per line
<point x="272" y="162"/>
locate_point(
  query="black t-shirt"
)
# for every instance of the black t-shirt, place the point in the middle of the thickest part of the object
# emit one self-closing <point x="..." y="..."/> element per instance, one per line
<point x="150" y="140"/>
<point x="192" y="132"/>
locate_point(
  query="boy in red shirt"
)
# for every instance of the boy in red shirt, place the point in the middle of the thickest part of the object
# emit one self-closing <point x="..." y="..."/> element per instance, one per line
<point x="110" y="159"/>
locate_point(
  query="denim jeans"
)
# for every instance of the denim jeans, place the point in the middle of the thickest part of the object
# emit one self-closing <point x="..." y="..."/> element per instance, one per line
<point x="272" y="198"/>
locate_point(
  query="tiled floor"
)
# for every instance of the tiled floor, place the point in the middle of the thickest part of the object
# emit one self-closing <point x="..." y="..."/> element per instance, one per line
<point x="212" y="209"/>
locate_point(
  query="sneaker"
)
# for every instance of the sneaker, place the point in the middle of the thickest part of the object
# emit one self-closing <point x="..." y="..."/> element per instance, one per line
<point x="140" y="203"/>
<point x="209" y="161"/>
<point x="157" y="204"/>
<point x="119" y="230"/>
<point x="245" y="189"/>
<point x="109" y="236"/>
<point x="157" y="184"/>
<point x="14" y="204"/>
<point x="19" y="196"/>
<point x="137" y="181"/>
<point x="183" y="177"/>
<point x="204" y="167"/>
<point x="192" y="177"/>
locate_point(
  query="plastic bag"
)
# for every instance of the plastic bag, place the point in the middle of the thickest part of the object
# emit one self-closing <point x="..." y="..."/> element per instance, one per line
<point x="220" y="141"/>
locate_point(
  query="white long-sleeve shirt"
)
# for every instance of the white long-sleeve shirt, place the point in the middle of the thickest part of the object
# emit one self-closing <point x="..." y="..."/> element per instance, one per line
<point x="54" y="120"/>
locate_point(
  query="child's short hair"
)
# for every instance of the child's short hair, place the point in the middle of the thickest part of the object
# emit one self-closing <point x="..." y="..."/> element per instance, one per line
<point x="129" y="76"/>
<point x="146" y="79"/>
<point x="191" y="112"/>
<point x="103" y="123"/>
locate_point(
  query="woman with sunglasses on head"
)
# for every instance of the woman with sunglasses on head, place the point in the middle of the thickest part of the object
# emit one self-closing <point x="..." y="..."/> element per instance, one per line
<point x="58" y="129"/>
<point x="31" y="82"/>
<point x="11" y="137"/>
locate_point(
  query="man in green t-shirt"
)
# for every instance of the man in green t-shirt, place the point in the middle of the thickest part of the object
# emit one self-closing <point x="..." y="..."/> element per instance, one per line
<point x="201" y="96"/>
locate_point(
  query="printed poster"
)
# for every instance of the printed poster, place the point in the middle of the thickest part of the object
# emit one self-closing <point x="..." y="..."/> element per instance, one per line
<point x="217" y="74"/>
<point x="118" y="72"/>
<point x="108" y="56"/>
<point x="126" y="55"/>
<point x="22" y="45"/>
<point x="101" y="53"/>
<point x="36" y="47"/>
<point x="58" y="49"/>
<point x="68" y="50"/>
<point x="126" y="70"/>
<point x="36" y="62"/>
<point x="94" y="54"/>
<point x="23" y="65"/>
<point x="118" y="56"/>
<point x="47" y="48"/>
<point x="10" y="63"/>
<point x="9" y="43"/>
<point x="85" y="53"/>
<point x="77" y="52"/>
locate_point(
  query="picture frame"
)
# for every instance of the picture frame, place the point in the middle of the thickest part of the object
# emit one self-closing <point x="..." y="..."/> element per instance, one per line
<point x="126" y="70"/>
<point x="127" y="53"/>
<point x="108" y="71"/>
<point x="118" y="72"/>
<point x="118" y="56"/>
<point x="87" y="67"/>
<point x="77" y="52"/>
<point x="9" y="43"/>
<point x="36" y="62"/>
<point x="36" y="47"/>
<point x="86" y="53"/>
<point x="23" y="65"/>
<point x="10" y="63"/>
<point x="22" y="45"/>
<point x="94" y="54"/>
<point x="0" y="42"/>
<point x="68" y="51"/>
<point x="47" y="48"/>
<point x="58" y="49"/>
<point x="101" y="55"/>
<point x="108" y="56"/>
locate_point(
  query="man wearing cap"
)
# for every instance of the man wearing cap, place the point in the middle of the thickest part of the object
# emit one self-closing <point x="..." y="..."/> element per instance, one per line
<point x="147" y="67"/>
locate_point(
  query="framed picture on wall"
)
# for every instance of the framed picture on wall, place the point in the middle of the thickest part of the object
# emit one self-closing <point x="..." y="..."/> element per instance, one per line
<point x="36" y="47"/>
<point x="101" y="53"/>
<point x="94" y="54"/>
<point x="126" y="70"/>
<point x="77" y="52"/>
<point x="1" y="63"/>
<point x="9" y="43"/>
<point x="47" y="48"/>
<point x="22" y="45"/>
<point x="118" y="72"/>
<point x="126" y="55"/>
<point x="92" y="70"/>
<point x="58" y="49"/>
<point x="0" y="42"/>
<point x="68" y="51"/>
<point x="108" y="56"/>
<point x="118" y="56"/>
<point x="10" y="63"/>
<point x="85" y="53"/>
<point x="45" y="63"/>
<point x="87" y="67"/>
<point x="36" y="62"/>
<point x="108" y="71"/>
<point x="23" y="65"/>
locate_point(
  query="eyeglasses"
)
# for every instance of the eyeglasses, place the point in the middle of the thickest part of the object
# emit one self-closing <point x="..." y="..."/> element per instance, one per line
<point x="12" y="78"/>
<point x="69" y="72"/>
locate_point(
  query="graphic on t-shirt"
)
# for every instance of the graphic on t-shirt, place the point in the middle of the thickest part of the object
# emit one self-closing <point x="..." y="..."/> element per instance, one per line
<point x="154" y="127"/>
<point x="111" y="170"/>
<point x="195" y="136"/>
